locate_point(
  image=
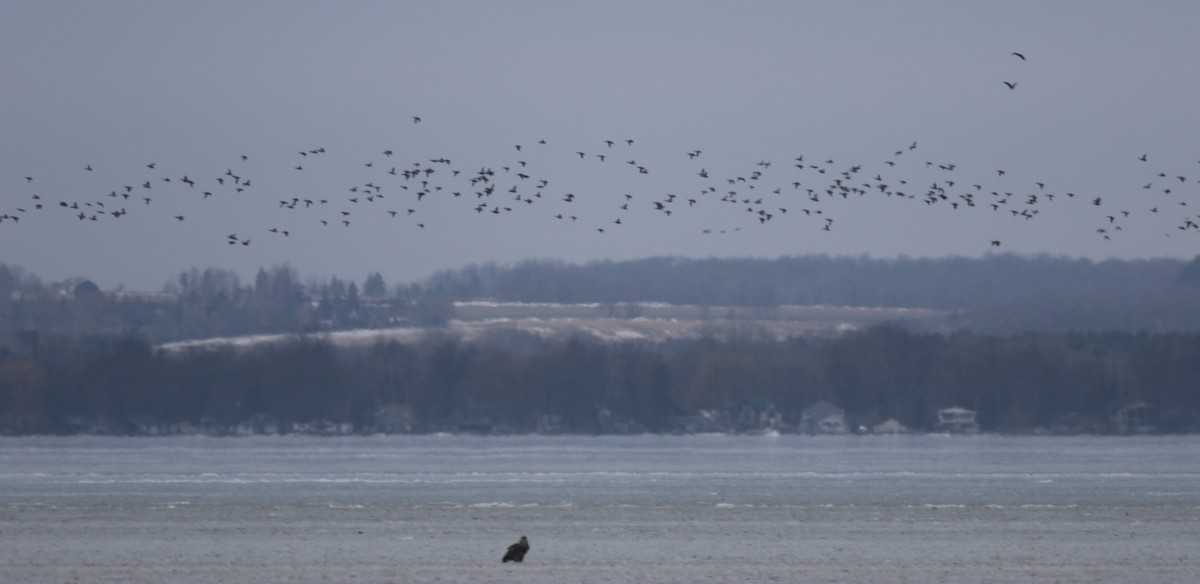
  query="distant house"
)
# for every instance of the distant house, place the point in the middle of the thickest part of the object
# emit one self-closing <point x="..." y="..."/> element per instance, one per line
<point x="258" y="424"/>
<point x="890" y="426"/>
<point x="752" y="415"/>
<point x="395" y="419"/>
<point x="823" y="418"/>
<point x="956" y="420"/>
<point x="1134" y="418"/>
<point x="551" y="424"/>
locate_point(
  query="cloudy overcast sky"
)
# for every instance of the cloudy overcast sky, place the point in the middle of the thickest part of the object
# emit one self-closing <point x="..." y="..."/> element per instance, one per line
<point x="192" y="87"/>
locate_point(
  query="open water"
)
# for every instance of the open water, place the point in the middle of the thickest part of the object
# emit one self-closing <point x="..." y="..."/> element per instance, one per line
<point x="691" y="509"/>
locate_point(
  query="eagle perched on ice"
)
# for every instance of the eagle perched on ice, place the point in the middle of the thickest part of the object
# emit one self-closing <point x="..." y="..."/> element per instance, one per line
<point x="516" y="552"/>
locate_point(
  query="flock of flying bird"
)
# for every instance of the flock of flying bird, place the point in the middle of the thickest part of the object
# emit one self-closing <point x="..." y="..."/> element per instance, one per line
<point x="800" y="188"/>
<point x="758" y="195"/>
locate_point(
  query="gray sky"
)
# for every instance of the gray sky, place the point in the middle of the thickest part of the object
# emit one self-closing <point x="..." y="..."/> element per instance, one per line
<point x="193" y="86"/>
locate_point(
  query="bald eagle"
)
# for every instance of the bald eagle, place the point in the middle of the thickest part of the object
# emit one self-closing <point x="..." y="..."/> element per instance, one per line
<point x="516" y="552"/>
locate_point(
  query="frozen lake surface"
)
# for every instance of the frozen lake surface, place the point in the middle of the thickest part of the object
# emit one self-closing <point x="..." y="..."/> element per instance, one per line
<point x="600" y="509"/>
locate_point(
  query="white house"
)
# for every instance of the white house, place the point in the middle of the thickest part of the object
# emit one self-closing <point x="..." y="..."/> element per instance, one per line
<point x="956" y="420"/>
<point x="823" y="418"/>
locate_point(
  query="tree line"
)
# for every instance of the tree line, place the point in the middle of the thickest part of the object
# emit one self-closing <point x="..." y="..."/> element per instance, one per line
<point x="209" y="303"/>
<point x="518" y="382"/>
<point x="1001" y="293"/>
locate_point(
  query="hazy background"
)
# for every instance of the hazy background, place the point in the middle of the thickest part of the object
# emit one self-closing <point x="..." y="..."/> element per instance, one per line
<point x="192" y="87"/>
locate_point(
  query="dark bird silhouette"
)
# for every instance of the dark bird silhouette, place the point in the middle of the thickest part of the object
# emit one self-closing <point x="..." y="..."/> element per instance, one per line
<point x="1019" y="56"/>
<point x="1011" y="84"/>
<point x="516" y="552"/>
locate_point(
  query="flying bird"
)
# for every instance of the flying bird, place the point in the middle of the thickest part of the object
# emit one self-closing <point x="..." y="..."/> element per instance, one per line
<point x="516" y="552"/>
<point x="1011" y="84"/>
<point x="1019" y="56"/>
